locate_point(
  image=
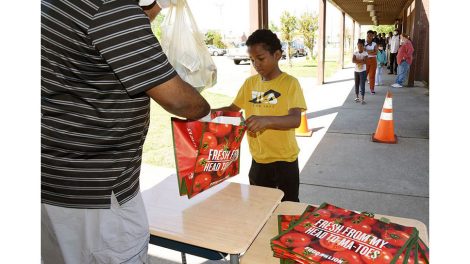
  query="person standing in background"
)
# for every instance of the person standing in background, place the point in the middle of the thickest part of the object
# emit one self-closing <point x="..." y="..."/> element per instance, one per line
<point x="388" y="41"/>
<point x="381" y="61"/>
<point x="394" y="45"/>
<point x="404" y="59"/>
<point x="375" y="38"/>
<point x="371" y="62"/>
<point x="360" y="75"/>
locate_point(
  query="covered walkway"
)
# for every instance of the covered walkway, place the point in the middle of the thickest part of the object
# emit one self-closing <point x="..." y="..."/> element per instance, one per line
<point x="410" y="16"/>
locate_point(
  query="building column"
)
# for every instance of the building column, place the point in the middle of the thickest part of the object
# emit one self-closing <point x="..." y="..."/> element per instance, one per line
<point x="321" y="42"/>
<point x="353" y="36"/>
<point x="258" y="15"/>
<point x="404" y="21"/>
<point x="341" y="40"/>
<point x="419" y="69"/>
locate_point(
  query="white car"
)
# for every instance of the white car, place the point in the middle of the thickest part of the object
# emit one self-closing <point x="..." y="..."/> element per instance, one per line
<point x="239" y="53"/>
<point x="214" y="51"/>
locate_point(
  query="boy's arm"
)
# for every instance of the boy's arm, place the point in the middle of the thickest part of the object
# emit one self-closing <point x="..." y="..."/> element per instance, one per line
<point x="259" y="123"/>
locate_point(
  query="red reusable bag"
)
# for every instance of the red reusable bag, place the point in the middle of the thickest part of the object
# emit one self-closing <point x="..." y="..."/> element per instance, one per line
<point x="207" y="151"/>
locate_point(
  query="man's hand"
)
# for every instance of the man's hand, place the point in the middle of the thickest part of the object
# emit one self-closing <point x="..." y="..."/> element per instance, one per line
<point x="179" y="98"/>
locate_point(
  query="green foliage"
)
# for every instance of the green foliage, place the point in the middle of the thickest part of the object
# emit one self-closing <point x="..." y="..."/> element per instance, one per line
<point x="308" y="26"/>
<point x="383" y="28"/>
<point x="156" y="25"/>
<point x="273" y="27"/>
<point x="213" y="37"/>
<point x="288" y="28"/>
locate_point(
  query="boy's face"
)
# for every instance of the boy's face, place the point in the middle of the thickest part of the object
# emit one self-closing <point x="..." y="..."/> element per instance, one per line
<point x="263" y="61"/>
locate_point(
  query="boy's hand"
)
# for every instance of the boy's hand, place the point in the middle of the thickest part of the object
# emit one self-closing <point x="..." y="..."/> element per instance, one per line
<point x="257" y="123"/>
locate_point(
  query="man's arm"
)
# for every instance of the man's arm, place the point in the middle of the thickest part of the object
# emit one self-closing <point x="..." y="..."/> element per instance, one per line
<point x="230" y="108"/>
<point x="260" y="123"/>
<point x="179" y="98"/>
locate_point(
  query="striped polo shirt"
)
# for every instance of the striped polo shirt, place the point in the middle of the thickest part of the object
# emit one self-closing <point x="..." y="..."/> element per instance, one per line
<point x="98" y="57"/>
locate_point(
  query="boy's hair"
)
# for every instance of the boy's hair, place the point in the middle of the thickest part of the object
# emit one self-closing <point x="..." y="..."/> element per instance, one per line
<point x="361" y="41"/>
<point x="266" y="37"/>
<point x="370" y="31"/>
<point x="380" y="44"/>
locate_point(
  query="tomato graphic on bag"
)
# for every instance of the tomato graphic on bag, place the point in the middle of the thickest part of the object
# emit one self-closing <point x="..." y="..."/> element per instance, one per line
<point x="201" y="182"/>
<point x="294" y="239"/>
<point x="201" y="163"/>
<point x="306" y="254"/>
<point x="220" y="130"/>
<point x="383" y="257"/>
<point x="348" y="257"/>
<point x="209" y="141"/>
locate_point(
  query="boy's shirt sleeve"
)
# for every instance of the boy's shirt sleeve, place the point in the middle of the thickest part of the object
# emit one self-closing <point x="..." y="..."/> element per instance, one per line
<point x="240" y="99"/>
<point x="296" y="96"/>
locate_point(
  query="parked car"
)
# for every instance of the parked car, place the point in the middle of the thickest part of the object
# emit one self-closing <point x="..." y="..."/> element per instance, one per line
<point x="214" y="51"/>
<point x="296" y="50"/>
<point x="238" y="53"/>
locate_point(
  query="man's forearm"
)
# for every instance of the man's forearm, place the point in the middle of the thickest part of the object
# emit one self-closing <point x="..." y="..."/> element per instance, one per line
<point x="179" y="98"/>
<point x="230" y="108"/>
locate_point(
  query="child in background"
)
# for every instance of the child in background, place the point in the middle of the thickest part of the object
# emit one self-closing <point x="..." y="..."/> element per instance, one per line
<point x="381" y="62"/>
<point x="360" y="74"/>
<point x="273" y="101"/>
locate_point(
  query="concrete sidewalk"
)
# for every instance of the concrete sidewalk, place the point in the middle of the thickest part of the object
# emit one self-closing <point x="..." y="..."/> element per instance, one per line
<point x="349" y="170"/>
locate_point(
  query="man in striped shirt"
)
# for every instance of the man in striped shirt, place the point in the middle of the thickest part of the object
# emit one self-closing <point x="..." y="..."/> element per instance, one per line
<point x="100" y="65"/>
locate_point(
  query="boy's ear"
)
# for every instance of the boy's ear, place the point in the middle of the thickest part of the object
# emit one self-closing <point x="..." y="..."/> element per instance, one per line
<point x="277" y="54"/>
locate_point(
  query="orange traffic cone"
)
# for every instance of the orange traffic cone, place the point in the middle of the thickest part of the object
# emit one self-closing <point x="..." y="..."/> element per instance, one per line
<point x="385" y="130"/>
<point x="302" y="130"/>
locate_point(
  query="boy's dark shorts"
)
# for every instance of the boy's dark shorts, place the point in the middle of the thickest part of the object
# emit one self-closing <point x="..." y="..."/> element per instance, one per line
<point x="282" y="175"/>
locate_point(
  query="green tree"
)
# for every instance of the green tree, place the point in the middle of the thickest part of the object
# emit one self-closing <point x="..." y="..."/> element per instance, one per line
<point x="213" y="37"/>
<point x="288" y="28"/>
<point x="308" y="26"/>
<point x="383" y="28"/>
<point x="156" y="25"/>
<point x="273" y="27"/>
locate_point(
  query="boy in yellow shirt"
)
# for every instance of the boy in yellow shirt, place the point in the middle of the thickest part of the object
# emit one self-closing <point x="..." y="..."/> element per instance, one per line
<point x="273" y="102"/>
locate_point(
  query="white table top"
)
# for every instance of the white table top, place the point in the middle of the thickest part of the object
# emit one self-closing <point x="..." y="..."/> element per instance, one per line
<point x="226" y="218"/>
<point x="260" y="251"/>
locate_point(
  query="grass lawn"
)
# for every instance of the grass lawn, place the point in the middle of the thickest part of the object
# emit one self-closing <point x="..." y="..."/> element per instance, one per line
<point x="158" y="147"/>
<point x="308" y="68"/>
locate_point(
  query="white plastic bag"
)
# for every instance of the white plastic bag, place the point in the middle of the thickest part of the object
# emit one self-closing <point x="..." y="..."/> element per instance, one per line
<point x="185" y="48"/>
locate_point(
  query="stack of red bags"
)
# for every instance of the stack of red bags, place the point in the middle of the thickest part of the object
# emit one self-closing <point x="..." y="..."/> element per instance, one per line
<point x="333" y="235"/>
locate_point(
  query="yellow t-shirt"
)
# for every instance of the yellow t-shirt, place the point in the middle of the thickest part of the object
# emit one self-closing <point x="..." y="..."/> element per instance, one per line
<point x="271" y="98"/>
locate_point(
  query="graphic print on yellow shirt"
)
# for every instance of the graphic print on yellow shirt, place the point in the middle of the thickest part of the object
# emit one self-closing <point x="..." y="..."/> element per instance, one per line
<point x="271" y="98"/>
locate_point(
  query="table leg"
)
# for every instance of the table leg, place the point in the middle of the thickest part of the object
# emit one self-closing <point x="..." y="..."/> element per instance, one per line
<point x="183" y="258"/>
<point x="234" y="258"/>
